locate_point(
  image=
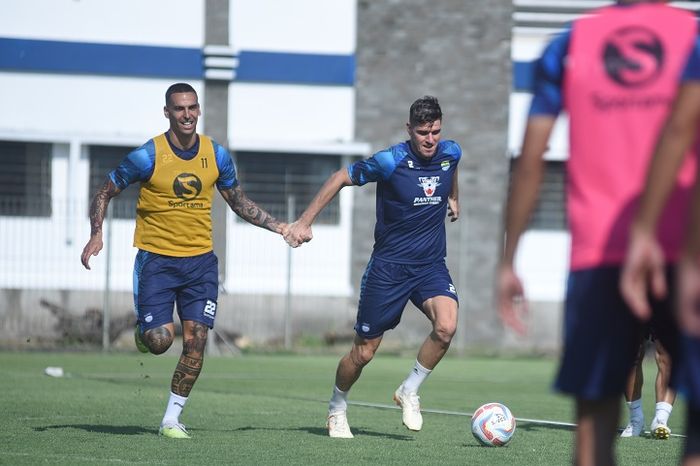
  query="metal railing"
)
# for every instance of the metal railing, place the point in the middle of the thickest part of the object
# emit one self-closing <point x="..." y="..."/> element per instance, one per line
<point x="46" y="295"/>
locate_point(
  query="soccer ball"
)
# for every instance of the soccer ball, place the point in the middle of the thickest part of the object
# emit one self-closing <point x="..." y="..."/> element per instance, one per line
<point x="493" y="425"/>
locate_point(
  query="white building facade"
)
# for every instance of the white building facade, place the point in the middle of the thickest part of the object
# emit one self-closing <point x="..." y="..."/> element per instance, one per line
<point x="88" y="88"/>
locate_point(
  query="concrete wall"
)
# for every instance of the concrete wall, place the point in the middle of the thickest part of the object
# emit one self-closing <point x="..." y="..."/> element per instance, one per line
<point x="31" y="319"/>
<point x="458" y="51"/>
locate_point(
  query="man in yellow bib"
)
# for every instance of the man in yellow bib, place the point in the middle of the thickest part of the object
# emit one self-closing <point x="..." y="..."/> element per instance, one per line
<point x="175" y="262"/>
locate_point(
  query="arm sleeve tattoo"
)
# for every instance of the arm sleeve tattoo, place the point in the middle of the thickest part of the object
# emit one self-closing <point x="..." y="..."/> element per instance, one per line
<point x="249" y="210"/>
<point x="98" y="208"/>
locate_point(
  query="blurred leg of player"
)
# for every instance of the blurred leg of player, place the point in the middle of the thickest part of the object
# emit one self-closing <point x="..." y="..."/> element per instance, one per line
<point x="601" y="343"/>
<point x="633" y="397"/>
<point x="442" y="312"/>
<point x="595" y="431"/>
<point x="665" y="396"/>
<point x="691" y="449"/>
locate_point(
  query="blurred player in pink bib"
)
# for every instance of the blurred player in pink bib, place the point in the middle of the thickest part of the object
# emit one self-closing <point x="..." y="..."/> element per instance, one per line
<point x="615" y="73"/>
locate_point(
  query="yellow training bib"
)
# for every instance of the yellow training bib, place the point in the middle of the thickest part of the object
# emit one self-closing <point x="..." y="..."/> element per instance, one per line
<point x="173" y="213"/>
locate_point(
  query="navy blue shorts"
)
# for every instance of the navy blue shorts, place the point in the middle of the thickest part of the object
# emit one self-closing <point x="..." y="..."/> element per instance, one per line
<point x="387" y="287"/>
<point x="602" y="337"/>
<point x="160" y="282"/>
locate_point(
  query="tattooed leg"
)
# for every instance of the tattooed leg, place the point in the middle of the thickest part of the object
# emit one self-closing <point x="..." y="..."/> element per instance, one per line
<point x="191" y="359"/>
<point x="160" y="338"/>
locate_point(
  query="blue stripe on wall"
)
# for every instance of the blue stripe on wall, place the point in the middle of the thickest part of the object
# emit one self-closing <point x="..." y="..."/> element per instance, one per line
<point x="296" y="68"/>
<point x="150" y="61"/>
<point x="523" y="76"/>
<point x="105" y="59"/>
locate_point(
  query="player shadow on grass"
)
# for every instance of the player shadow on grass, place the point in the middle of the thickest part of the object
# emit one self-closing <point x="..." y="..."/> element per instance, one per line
<point x="101" y="429"/>
<point x="526" y="426"/>
<point x="534" y="427"/>
<point x="323" y="432"/>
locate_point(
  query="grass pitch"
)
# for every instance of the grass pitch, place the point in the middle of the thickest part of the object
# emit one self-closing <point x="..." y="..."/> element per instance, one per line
<point x="263" y="409"/>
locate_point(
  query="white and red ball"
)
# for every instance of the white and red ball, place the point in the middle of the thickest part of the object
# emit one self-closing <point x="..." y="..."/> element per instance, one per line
<point x="493" y="424"/>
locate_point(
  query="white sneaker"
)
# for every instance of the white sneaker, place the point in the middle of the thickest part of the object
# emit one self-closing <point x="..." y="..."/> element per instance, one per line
<point x="659" y="430"/>
<point x="338" y="426"/>
<point x="410" y="405"/>
<point x="634" y="428"/>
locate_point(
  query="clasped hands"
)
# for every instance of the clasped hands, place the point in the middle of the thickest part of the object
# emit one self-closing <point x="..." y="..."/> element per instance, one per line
<point x="297" y="233"/>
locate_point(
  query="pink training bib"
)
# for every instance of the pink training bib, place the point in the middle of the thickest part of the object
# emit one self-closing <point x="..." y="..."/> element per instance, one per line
<point x="622" y="74"/>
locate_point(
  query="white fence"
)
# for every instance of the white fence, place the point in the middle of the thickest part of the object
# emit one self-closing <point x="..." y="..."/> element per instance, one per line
<point x="45" y="293"/>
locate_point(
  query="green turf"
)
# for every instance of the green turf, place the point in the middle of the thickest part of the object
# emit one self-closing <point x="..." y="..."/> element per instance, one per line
<point x="264" y="409"/>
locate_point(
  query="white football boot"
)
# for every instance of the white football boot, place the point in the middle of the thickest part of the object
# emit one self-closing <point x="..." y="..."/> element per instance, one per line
<point x="338" y="426"/>
<point x="410" y="405"/>
<point x="634" y="428"/>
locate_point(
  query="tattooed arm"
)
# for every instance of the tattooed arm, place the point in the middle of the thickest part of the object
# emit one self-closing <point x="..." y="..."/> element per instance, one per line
<point x="250" y="211"/>
<point x="98" y="210"/>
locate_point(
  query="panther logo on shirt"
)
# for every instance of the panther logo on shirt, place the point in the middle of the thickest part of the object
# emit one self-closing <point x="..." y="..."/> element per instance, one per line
<point x="187" y="186"/>
<point x="429" y="184"/>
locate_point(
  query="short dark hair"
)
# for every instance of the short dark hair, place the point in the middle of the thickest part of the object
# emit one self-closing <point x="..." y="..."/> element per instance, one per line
<point x="178" y="88"/>
<point x="424" y="110"/>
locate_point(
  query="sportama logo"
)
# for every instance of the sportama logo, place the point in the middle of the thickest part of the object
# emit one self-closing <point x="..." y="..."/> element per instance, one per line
<point x="187" y="186"/>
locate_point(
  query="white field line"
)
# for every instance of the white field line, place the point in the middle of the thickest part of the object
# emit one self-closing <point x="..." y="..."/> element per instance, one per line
<point x="544" y="422"/>
<point x="366" y="404"/>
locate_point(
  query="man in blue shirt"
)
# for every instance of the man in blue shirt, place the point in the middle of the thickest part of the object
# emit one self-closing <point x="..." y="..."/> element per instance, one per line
<point x="416" y="187"/>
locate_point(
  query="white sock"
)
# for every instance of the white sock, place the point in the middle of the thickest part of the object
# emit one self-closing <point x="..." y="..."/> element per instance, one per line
<point x="635" y="408"/>
<point x="663" y="412"/>
<point x="339" y="400"/>
<point x="176" y="403"/>
<point x="415" y="378"/>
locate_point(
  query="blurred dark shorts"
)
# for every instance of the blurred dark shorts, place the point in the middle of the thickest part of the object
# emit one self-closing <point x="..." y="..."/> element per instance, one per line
<point x="601" y="336"/>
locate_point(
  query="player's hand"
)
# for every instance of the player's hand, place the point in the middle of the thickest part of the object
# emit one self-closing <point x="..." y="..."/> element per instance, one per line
<point x="92" y="248"/>
<point x="644" y="266"/>
<point x="512" y="308"/>
<point x="298" y="233"/>
<point x="283" y="229"/>
<point x="689" y="296"/>
<point x="452" y="209"/>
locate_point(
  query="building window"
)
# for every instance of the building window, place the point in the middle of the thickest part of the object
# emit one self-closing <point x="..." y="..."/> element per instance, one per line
<point x="550" y="212"/>
<point x="25" y="179"/>
<point x="104" y="159"/>
<point x="269" y="179"/>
